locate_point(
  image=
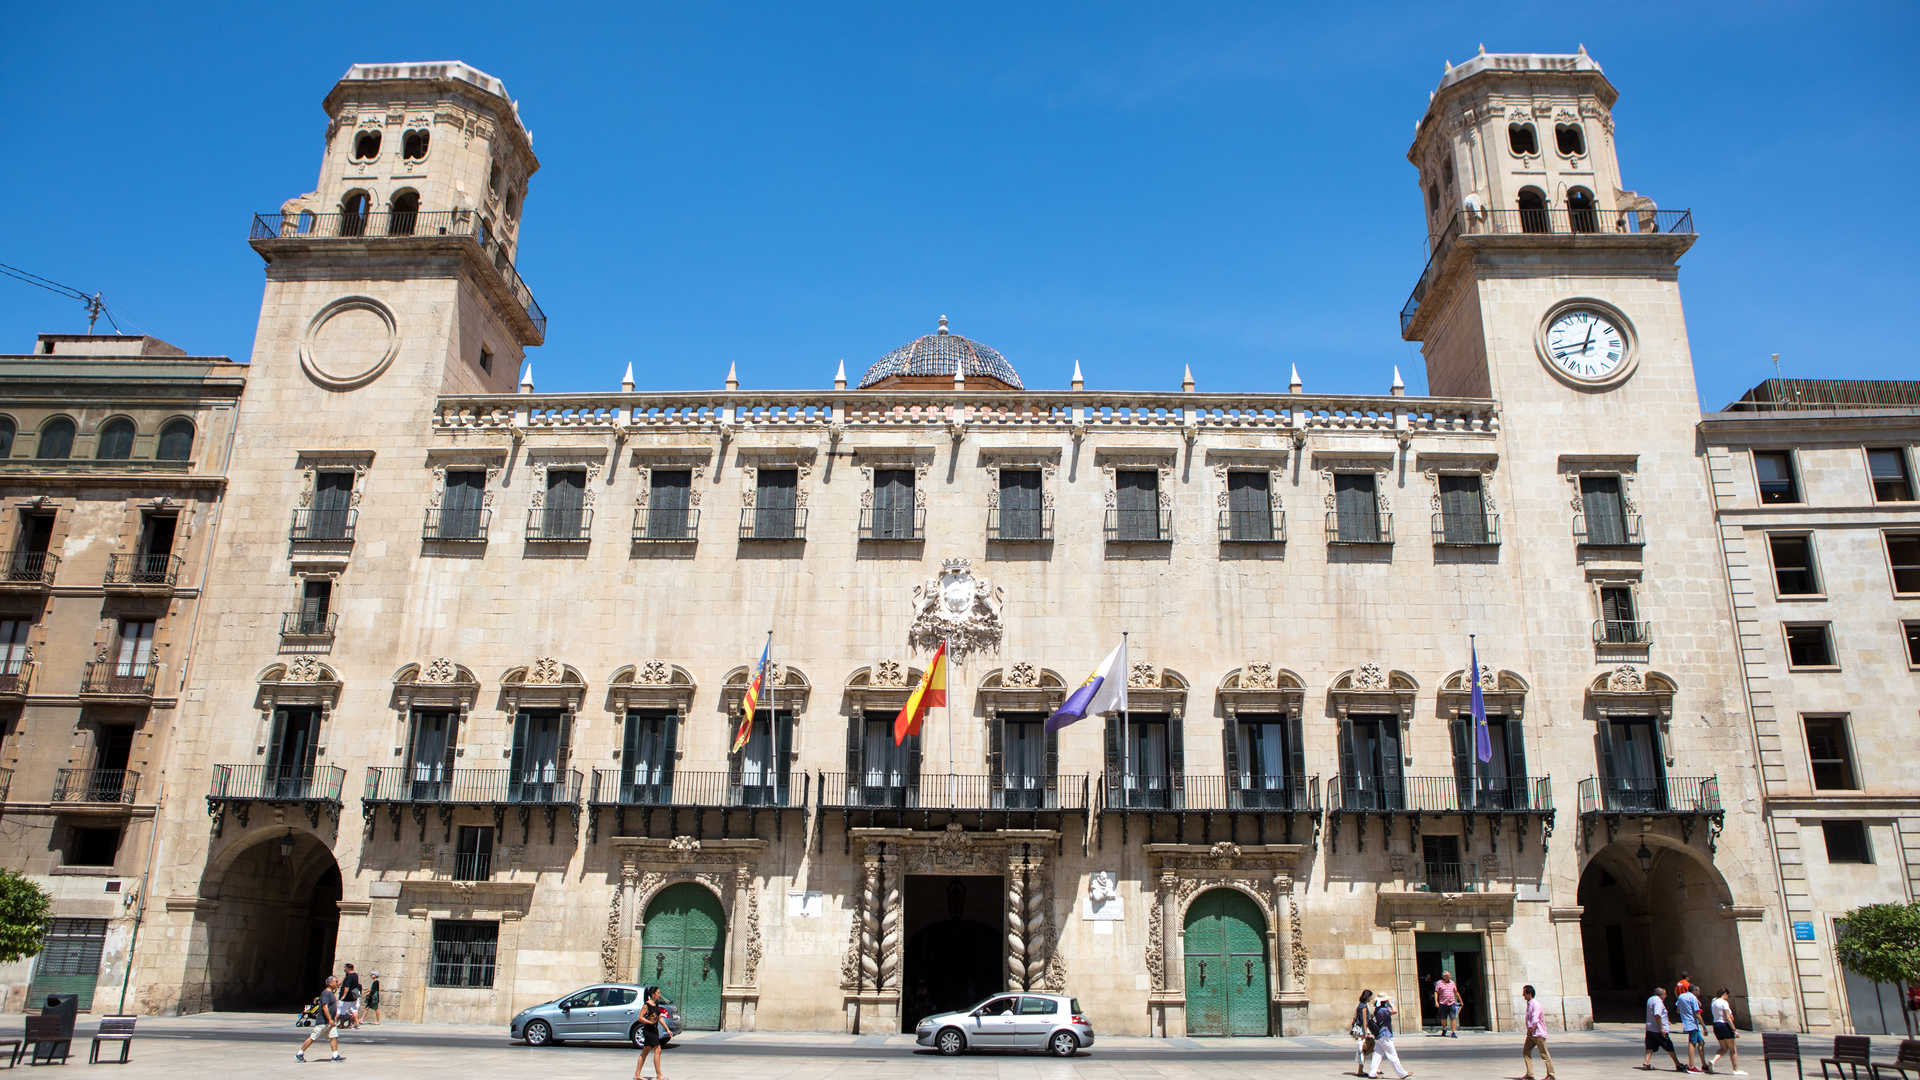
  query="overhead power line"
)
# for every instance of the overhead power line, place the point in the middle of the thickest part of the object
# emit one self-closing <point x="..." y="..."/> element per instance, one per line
<point x="96" y="304"/>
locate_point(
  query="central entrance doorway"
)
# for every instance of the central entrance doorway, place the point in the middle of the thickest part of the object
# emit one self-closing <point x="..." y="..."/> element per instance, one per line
<point x="681" y="952"/>
<point x="1226" y="965"/>
<point x="270" y="940"/>
<point x="1651" y="910"/>
<point x="956" y="943"/>
<point x="1462" y="955"/>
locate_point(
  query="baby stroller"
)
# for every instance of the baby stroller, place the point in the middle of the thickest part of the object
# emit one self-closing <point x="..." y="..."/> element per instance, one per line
<point x="309" y="1016"/>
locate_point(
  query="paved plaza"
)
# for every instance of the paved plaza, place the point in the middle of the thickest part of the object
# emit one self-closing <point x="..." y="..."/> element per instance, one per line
<point x="221" y="1045"/>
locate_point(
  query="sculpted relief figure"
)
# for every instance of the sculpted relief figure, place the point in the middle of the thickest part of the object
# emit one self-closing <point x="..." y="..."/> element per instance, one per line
<point x="957" y="607"/>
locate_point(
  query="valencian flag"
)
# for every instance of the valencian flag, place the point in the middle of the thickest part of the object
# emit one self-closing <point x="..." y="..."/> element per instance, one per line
<point x="1482" y="739"/>
<point x="931" y="691"/>
<point x="752" y="699"/>
<point x="1103" y="694"/>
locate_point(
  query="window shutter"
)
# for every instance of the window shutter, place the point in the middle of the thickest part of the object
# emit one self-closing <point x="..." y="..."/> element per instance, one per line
<point x="996" y="762"/>
<point x="671" y="722"/>
<point x="1296" y="760"/>
<point x="1347" y="768"/>
<point x="856" y="728"/>
<point x="1230" y="753"/>
<point x="1249" y="513"/>
<point x="1177" y="759"/>
<point x="1519" y="791"/>
<point x="630" y="750"/>
<point x="1462" y="730"/>
<point x="1053" y="764"/>
<point x="565" y="723"/>
<point x="774" y="503"/>
<point x="1600" y="500"/>
<point x="1137" y="499"/>
<point x="1462" y="513"/>
<point x="1113" y="750"/>
<point x="1391" y="794"/>
<point x="913" y="769"/>
<point x="275" y="741"/>
<point x="1357" y="512"/>
<point x="518" y="760"/>
<point x="783" y="756"/>
<point x="736" y="762"/>
<point x="668" y="501"/>
<point x="1610" y="766"/>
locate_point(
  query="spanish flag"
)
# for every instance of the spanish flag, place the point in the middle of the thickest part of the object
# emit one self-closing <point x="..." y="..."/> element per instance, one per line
<point x="931" y="691"/>
<point x="752" y="699"/>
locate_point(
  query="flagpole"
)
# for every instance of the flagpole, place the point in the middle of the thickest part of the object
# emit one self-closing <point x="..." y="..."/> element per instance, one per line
<point x="773" y="732"/>
<point x="946" y="657"/>
<point x="1473" y="722"/>
<point x="1127" y="781"/>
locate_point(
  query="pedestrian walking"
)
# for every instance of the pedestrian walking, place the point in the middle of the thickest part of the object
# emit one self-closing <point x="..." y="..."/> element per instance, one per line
<point x="1721" y="1009"/>
<point x="350" y="998"/>
<point x="1446" y="1001"/>
<point x="1659" y="1030"/>
<point x="1689" y="1007"/>
<point x="1383" y="1014"/>
<point x="328" y="1024"/>
<point x="1536" y="1035"/>
<point x="373" y="999"/>
<point x="649" y="1034"/>
<point x="1362" y="1032"/>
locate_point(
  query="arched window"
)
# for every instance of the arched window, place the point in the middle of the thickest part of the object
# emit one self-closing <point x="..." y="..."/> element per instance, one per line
<point x="366" y="146"/>
<point x="493" y="177"/>
<point x="1446" y="173"/>
<point x="513" y="205"/>
<point x="56" y="440"/>
<point x="116" y="440"/>
<point x="1582" y="215"/>
<point x="6" y="436"/>
<point x="1569" y="139"/>
<point x="413" y="144"/>
<point x="1522" y="139"/>
<point x="176" y="441"/>
<point x="405" y="215"/>
<point x="353" y="213"/>
<point x="1533" y="210"/>
<point x="1433" y="197"/>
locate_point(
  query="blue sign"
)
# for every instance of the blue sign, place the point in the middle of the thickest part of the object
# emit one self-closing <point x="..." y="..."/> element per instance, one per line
<point x="1803" y="931"/>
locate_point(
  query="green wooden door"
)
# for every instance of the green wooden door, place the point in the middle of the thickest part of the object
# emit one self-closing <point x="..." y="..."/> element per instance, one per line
<point x="69" y="961"/>
<point x="681" y="952"/>
<point x="1226" y="968"/>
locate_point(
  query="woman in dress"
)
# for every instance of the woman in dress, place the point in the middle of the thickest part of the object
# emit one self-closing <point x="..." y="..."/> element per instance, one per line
<point x="649" y="1035"/>
<point x="1724" y="1031"/>
<point x="373" y="1000"/>
<point x="1362" y="1033"/>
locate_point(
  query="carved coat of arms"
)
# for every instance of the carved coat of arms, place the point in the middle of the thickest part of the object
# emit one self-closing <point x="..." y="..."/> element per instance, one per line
<point x="957" y="607"/>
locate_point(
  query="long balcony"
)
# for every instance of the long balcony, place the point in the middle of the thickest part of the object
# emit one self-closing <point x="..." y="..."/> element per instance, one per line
<point x="659" y="525"/>
<point x="1591" y="225"/>
<point x="696" y="794"/>
<point x="1688" y="800"/>
<point x="457" y="526"/>
<point x="127" y="682"/>
<point x="16" y="677"/>
<point x="981" y="799"/>
<point x="397" y="226"/>
<point x="239" y="788"/>
<point x="1261" y="799"/>
<point x="115" y="787"/>
<point x="333" y="527"/>
<point x="29" y="571"/>
<point x="417" y="789"/>
<point x="143" y="573"/>
<point x="1387" y="798"/>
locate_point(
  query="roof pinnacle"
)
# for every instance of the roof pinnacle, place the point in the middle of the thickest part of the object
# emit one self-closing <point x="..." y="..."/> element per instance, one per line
<point x="733" y="376"/>
<point x="943" y="325"/>
<point x="1078" y="382"/>
<point x="626" y="381"/>
<point x="1293" y="384"/>
<point x="526" y="379"/>
<point x="1186" y="380"/>
<point x="840" y="375"/>
<point x="1399" y="387"/>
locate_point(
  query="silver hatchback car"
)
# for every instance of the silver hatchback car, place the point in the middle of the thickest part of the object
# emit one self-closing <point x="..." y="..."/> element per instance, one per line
<point x="608" y="1012"/>
<point x="1050" y="1022"/>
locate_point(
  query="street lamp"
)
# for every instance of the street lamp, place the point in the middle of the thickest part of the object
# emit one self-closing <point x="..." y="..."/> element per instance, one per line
<point x="1645" y="855"/>
<point x="286" y="845"/>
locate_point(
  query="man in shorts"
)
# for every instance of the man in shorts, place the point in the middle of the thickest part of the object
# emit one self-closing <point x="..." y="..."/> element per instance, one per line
<point x="328" y="1025"/>
<point x="1446" y="1000"/>
<point x="1689" y="1007"/>
<point x="350" y="998"/>
<point x="1657" y="1027"/>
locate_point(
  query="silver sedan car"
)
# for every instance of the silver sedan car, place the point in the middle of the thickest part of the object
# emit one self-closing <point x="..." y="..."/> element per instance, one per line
<point x="609" y="1012"/>
<point x="1050" y="1022"/>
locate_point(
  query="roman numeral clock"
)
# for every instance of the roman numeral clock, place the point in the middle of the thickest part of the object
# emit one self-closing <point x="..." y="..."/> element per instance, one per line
<point x="1586" y="343"/>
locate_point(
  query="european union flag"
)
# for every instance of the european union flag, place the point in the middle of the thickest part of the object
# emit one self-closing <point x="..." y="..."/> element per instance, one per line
<point x="1482" y="740"/>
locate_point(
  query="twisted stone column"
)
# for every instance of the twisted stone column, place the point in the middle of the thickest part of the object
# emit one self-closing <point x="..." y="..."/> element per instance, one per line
<point x="870" y="927"/>
<point x="1016" y="925"/>
<point x="890" y="934"/>
<point x="1039" y="919"/>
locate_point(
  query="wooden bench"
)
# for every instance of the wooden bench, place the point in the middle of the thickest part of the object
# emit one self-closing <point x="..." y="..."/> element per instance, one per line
<point x="113" y="1029"/>
<point x="11" y="1047"/>
<point x="45" y="1041"/>
<point x="1781" y="1047"/>
<point x="1850" y="1054"/>
<point x="1906" y="1063"/>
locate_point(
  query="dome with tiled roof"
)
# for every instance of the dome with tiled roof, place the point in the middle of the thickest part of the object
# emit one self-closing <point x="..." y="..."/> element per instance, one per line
<point x="936" y="356"/>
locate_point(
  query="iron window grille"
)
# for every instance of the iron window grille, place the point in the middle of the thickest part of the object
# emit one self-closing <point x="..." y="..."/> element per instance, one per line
<point x="773" y="523"/>
<point x="464" y="953"/>
<point x="1267" y="526"/>
<point x="1011" y="526"/>
<point x="1139" y="526"/>
<point x="904" y="524"/>
<point x="560" y="525"/>
<point x="665" y="525"/>
<point x="458" y="524"/>
<point x="1360" y="530"/>
<point x="323" y="526"/>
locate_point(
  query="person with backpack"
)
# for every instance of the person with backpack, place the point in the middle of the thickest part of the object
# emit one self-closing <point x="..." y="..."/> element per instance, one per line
<point x="1362" y="1032"/>
<point x="1383" y="1014"/>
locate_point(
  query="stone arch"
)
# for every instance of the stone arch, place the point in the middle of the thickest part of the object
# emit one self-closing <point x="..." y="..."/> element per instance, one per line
<point x="1642" y="925"/>
<point x="268" y="934"/>
<point x="1269" y="922"/>
<point x="652" y="885"/>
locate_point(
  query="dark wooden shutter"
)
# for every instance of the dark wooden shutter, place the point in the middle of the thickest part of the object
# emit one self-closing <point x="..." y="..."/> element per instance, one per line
<point x="783" y="756"/>
<point x="1177" y="760"/>
<point x="996" y="759"/>
<point x="1601" y="502"/>
<point x="1391" y="783"/>
<point x="1137" y="500"/>
<point x="566" y="497"/>
<point x="913" y="769"/>
<point x="1230" y="753"/>
<point x="1462" y="513"/>
<point x="1020" y="504"/>
<point x="668" y="498"/>
<point x="1113" y="753"/>
<point x="1462" y="731"/>
<point x="892" y="504"/>
<point x="460" y="503"/>
<point x="517" y="761"/>
<point x="1053" y="765"/>
<point x="856" y="733"/>
<point x="1348" y="769"/>
<point x="453" y="746"/>
<point x="736" y="761"/>
<point x="669" y="739"/>
<point x="1520" y="792"/>
<point x="774" y="502"/>
<point x="630" y="749"/>
<point x="1249" y="511"/>
<point x="1610" y="768"/>
<point x="565" y="723"/>
<point x="1354" y="504"/>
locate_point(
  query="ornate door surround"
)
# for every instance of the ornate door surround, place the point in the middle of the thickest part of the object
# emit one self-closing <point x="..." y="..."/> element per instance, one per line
<point x="728" y="868"/>
<point x="1266" y="874"/>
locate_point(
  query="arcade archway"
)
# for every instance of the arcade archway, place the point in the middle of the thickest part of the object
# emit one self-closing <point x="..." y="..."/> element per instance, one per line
<point x="272" y="926"/>
<point x="1651" y="911"/>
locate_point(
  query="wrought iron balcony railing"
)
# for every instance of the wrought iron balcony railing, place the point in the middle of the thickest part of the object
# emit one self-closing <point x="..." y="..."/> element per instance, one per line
<point x="893" y="525"/>
<point x="1253" y="526"/>
<point x="698" y="790"/>
<point x="1358" y="529"/>
<point x="1447" y="875"/>
<point x="16" y="675"/>
<point x="401" y="224"/>
<point x="773" y="523"/>
<point x="1650" y="795"/>
<point x="1622" y="632"/>
<point x="1623" y="530"/>
<point x="556" y="525"/>
<point x="323" y="526"/>
<point x="6" y="783"/>
<point x="416" y="784"/>
<point x="457" y="525"/>
<point x="1020" y="526"/>
<point x="952" y="791"/>
<point x="144" y="571"/>
<point x="1139" y="526"/>
<point x="110" y="678"/>
<point x="95" y="785"/>
<point x="665" y="525"/>
<point x="30" y="568"/>
<point x="1236" y="793"/>
<point x="308" y="624"/>
<point x="1466" y="530"/>
<point x="472" y="866"/>
<point x="277" y="783"/>
<point x="1440" y="794"/>
<point x="1566" y="222"/>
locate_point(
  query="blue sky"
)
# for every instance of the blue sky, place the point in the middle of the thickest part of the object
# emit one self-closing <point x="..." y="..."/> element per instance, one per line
<point x="1133" y="186"/>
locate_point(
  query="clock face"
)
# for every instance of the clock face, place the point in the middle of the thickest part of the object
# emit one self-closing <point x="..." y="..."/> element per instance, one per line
<point x="1586" y="345"/>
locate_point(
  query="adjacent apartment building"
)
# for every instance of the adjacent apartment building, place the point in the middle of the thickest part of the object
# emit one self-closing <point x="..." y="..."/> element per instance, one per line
<point x="113" y="456"/>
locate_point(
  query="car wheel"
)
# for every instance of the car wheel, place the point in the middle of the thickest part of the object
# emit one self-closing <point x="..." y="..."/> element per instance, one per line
<point x="950" y="1041"/>
<point x="1063" y="1044"/>
<point x="539" y="1033"/>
